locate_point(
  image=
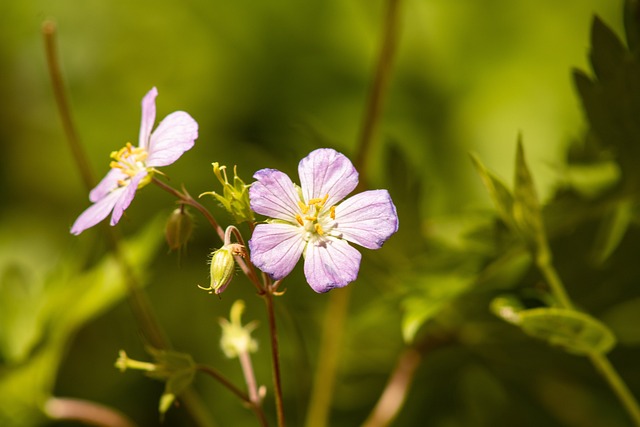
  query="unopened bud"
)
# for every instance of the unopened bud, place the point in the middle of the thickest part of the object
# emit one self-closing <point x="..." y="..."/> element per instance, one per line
<point x="234" y="197"/>
<point x="222" y="267"/>
<point x="236" y="339"/>
<point x="178" y="228"/>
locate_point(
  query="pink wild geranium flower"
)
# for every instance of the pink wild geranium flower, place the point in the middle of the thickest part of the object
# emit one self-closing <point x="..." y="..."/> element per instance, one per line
<point x="133" y="167"/>
<point x="309" y="220"/>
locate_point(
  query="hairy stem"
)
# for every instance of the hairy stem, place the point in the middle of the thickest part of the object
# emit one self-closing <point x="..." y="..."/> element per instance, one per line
<point x="275" y="357"/>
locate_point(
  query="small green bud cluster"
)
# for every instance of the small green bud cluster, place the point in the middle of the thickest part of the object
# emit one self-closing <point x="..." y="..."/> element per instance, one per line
<point x="178" y="229"/>
<point x="234" y="198"/>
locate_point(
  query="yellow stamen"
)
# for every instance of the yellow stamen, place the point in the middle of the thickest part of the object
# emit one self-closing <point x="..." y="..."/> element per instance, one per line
<point x="324" y="200"/>
<point x="332" y="213"/>
<point x="314" y="201"/>
<point x="310" y="218"/>
<point x="319" y="229"/>
<point x="299" y="219"/>
<point x="304" y="208"/>
<point x="115" y="164"/>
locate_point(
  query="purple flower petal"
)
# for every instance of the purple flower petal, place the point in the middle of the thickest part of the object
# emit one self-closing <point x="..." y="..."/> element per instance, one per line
<point x="173" y="136"/>
<point x="148" y="117"/>
<point x="325" y="171"/>
<point x="96" y="212"/>
<point x="333" y="264"/>
<point x="126" y="197"/>
<point x="276" y="248"/>
<point x="107" y="185"/>
<point x="368" y="218"/>
<point x="274" y="195"/>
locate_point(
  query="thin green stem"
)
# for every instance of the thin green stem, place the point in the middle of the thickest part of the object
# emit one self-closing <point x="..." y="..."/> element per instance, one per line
<point x="378" y="90"/>
<point x="599" y="361"/>
<point x="617" y="384"/>
<point x="545" y="265"/>
<point x="57" y="82"/>
<point x="328" y="357"/>
<point x="140" y="305"/>
<point x="336" y="312"/>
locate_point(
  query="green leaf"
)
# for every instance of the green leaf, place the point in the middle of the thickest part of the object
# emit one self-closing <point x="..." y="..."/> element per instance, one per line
<point x="498" y="191"/>
<point x="25" y="386"/>
<point x="612" y="229"/>
<point x="177" y="369"/>
<point x="433" y="293"/>
<point x="611" y="100"/>
<point x="572" y="330"/>
<point x="527" y="213"/>
<point x="607" y="51"/>
<point x="632" y="24"/>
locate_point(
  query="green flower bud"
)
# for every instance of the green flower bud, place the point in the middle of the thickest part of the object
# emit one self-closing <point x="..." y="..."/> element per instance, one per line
<point x="222" y="267"/>
<point x="236" y="339"/>
<point x="234" y="198"/>
<point x="178" y="229"/>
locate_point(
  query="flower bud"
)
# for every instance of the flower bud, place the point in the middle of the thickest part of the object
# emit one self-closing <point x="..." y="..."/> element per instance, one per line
<point x="222" y="267"/>
<point x="236" y="339"/>
<point x="178" y="229"/>
<point x="234" y="198"/>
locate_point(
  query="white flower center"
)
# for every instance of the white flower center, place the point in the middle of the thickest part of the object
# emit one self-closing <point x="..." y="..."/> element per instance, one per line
<point x="130" y="160"/>
<point x="316" y="219"/>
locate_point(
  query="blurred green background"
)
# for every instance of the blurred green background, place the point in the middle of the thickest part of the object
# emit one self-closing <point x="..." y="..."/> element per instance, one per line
<point x="267" y="82"/>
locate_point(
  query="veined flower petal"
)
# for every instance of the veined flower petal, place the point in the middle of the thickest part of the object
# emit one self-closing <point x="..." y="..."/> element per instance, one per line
<point x="274" y="195"/>
<point x="325" y="171"/>
<point x="107" y="185"/>
<point x="368" y="218"/>
<point x="333" y="264"/>
<point x="173" y="136"/>
<point x="276" y="248"/>
<point x="148" y="117"/>
<point x="96" y="212"/>
<point x="126" y="197"/>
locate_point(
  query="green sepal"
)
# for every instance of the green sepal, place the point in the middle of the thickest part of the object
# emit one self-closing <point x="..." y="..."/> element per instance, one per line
<point x="498" y="191"/>
<point x="527" y="213"/>
<point x="574" y="331"/>
<point x="176" y="369"/>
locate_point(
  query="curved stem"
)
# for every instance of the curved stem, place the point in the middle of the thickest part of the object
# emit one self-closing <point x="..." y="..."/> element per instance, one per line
<point x="253" y="405"/>
<point x="86" y="412"/>
<point x="140" y="305"/>
<point x="186" y="198"/>
<point x="599" y="361"/>
<point x="396" y="390"/>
